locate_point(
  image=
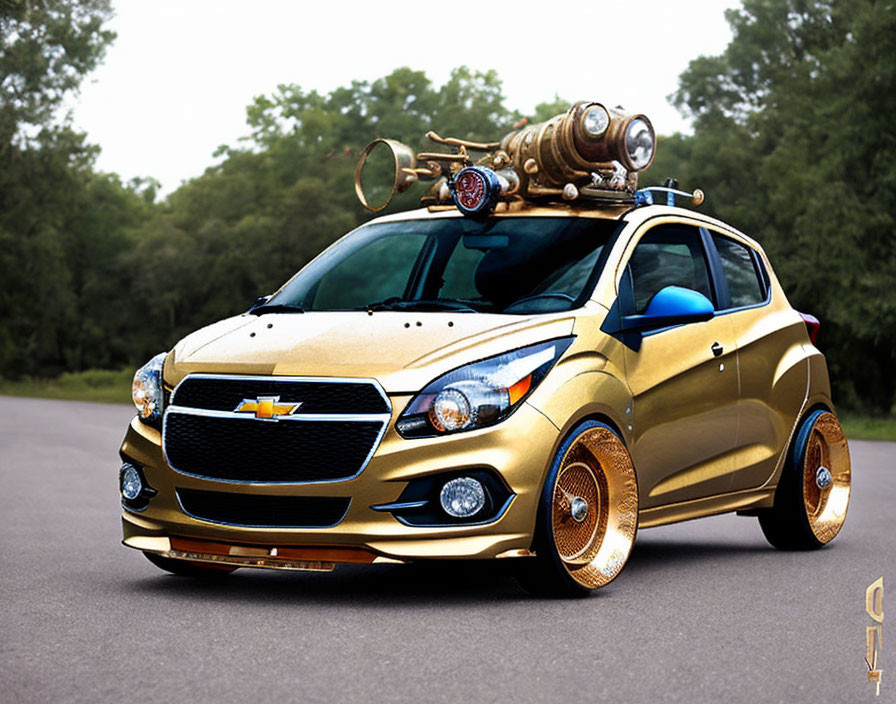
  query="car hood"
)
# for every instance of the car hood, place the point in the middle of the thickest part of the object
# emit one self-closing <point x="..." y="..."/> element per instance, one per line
<point x="403" y="351"/>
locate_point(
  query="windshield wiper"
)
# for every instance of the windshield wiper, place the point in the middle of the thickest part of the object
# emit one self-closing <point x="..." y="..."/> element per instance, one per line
<point x="422" y="304"/>
<point x="275" y="308"/>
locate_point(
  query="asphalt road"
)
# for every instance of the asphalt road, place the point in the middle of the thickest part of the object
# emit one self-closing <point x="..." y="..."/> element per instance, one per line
<point x="704" y="612"/>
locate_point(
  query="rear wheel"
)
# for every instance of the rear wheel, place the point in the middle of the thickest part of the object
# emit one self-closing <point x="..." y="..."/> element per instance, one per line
<point x="813" y="495"/>
<point x="185" y="568"/>
<point x="587" y="517"/>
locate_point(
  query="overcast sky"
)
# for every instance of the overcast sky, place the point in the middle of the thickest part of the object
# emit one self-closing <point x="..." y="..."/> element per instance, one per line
<point x="176" y="82"/>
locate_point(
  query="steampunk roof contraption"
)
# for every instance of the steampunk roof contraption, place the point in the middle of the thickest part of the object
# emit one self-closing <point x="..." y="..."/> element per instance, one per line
<point x="590" y="153"/>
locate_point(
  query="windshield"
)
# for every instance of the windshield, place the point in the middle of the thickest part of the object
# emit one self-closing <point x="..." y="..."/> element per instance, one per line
<point x="518" y="265"/>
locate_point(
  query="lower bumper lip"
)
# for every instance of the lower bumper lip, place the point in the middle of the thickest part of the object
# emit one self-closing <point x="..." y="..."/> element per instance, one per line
<point x="314" y="559"/>
<point x="305" y="559"/>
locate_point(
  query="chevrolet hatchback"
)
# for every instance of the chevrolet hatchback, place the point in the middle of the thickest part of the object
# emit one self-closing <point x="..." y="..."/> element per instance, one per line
<point x="537" y="385"/>
<point x="534" y="366"/>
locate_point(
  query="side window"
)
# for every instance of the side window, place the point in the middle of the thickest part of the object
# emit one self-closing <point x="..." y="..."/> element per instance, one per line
<point x="744" y="285"/>
<point x="668" y="255"/>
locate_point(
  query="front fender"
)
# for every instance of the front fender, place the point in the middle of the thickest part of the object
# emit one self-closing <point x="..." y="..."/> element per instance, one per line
<point x="576" y="390"/>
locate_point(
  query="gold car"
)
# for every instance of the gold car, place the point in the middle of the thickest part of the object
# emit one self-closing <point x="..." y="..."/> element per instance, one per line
<point x="537" y="381"/>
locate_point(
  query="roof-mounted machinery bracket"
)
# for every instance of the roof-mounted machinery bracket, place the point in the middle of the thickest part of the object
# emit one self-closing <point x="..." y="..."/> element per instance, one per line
<point x="645" y="196"/>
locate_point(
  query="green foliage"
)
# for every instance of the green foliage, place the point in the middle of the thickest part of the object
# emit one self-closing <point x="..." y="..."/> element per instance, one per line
<point x="48" y="46"/>
<point x="546" y="110"/>
<point x="103" y="385"/>
<point x="63" y="228"/>
<point x="859" y="427"/>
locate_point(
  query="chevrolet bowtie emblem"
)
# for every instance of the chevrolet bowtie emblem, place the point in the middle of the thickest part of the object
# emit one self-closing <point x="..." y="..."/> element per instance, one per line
<point x="267" y="407"/>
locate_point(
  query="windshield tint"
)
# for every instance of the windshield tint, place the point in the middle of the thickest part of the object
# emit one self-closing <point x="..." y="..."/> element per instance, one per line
<point x="502" y="265"/>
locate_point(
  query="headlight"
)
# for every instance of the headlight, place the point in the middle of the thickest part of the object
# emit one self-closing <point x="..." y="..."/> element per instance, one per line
<point x="639" y="143"/>
<point x="595" y="121"/>
<point x="147" y="389"/>
<point x="480" y="394"/>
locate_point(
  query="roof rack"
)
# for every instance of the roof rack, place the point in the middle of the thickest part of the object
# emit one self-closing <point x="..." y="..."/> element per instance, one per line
<point x="644" y="196"/>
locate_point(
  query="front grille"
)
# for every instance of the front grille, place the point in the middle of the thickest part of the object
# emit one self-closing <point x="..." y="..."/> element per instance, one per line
<point x="248" y="450"/>
<point x="220" y="393"/>
<point x="204" y="436"/>
<point x="263" y="511"/>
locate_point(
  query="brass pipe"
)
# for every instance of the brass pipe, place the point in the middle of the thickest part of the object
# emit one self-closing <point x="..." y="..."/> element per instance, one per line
<point x="454" y="142"/>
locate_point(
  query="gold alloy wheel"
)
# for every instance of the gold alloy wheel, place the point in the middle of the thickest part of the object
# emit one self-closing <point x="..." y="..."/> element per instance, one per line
<point x="826" y="477"/>
<point x="594" y="512"/>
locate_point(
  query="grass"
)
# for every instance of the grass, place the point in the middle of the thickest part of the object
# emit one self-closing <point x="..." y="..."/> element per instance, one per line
<point x="111" y="386"/>
<point x="107" y="386"/>
<point x="865" y="428"/>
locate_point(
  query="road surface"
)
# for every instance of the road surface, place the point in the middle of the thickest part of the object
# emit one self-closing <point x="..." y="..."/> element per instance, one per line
<point x="705" y="611"/>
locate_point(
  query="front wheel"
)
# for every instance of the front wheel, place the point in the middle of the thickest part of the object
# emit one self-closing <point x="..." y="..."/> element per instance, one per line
<point x="587" y="516"/>
<point x="813" y="494"/>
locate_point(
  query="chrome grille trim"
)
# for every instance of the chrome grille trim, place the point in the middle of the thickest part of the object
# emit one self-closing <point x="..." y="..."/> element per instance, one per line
<point x="382" y="418"/>
<point x="208" y="413"/>
<point x="286" y="379"/>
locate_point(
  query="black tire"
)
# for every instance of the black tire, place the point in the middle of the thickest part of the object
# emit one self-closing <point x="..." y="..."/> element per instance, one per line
<point x="586" y="559"/>
<point x="807" y="516"/>
<point x="185" y="568"/>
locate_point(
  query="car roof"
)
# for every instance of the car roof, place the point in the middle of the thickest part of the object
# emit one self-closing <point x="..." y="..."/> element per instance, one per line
<point x="638" y="216"/>
<point x="513" y="209"/>
<point x="627" y="213"/>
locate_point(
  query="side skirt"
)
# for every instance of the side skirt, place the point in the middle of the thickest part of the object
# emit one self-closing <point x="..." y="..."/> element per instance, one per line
<point x="709" y="506"/>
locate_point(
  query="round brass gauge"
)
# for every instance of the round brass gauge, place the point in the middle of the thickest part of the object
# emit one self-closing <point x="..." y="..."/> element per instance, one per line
<point x="826" y="477"/>
<point x="594" y="512"/>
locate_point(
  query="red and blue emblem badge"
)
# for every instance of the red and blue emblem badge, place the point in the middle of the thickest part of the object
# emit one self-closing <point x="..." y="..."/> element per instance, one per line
<point x="475" y="190"/>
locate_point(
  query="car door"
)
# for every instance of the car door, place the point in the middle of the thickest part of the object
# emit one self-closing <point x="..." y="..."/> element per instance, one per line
<point x="683" y="378"/>
<point x="772" y="365"/>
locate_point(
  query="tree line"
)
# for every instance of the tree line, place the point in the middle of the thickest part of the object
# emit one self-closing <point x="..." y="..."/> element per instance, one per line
<point x="792" y="142"/>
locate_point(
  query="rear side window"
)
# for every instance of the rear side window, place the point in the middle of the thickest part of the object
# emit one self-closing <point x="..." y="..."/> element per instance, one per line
<point x="668" y="256"/>
<point x="744" y="285"/>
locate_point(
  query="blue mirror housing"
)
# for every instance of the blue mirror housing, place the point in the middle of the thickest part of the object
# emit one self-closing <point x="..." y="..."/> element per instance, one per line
<point x="260" y="301"/>
<point x="672" y="305"/>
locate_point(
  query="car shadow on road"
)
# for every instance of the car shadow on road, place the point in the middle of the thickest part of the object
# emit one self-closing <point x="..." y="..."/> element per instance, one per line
<point x="422" y="583"/>
<point x="653" y="555"/>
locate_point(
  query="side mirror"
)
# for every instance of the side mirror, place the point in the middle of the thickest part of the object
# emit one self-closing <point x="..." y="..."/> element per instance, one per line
<point x="260" y="301"/>
<point x="672" y="305"/>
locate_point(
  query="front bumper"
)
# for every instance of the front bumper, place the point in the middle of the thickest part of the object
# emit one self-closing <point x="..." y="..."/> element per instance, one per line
<point x="518" y="450"/>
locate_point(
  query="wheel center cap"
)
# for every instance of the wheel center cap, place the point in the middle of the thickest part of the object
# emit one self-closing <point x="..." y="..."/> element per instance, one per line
<point x="578" y="509"/>
<point x="823" y="478"/>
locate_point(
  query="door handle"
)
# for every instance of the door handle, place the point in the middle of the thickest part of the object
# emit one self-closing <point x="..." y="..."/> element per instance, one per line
<point x="717" y="349"/>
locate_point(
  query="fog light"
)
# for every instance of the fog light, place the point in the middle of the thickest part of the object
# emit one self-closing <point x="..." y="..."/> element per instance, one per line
<point x="462" y="497"/>
<point x="131" y="483"/>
